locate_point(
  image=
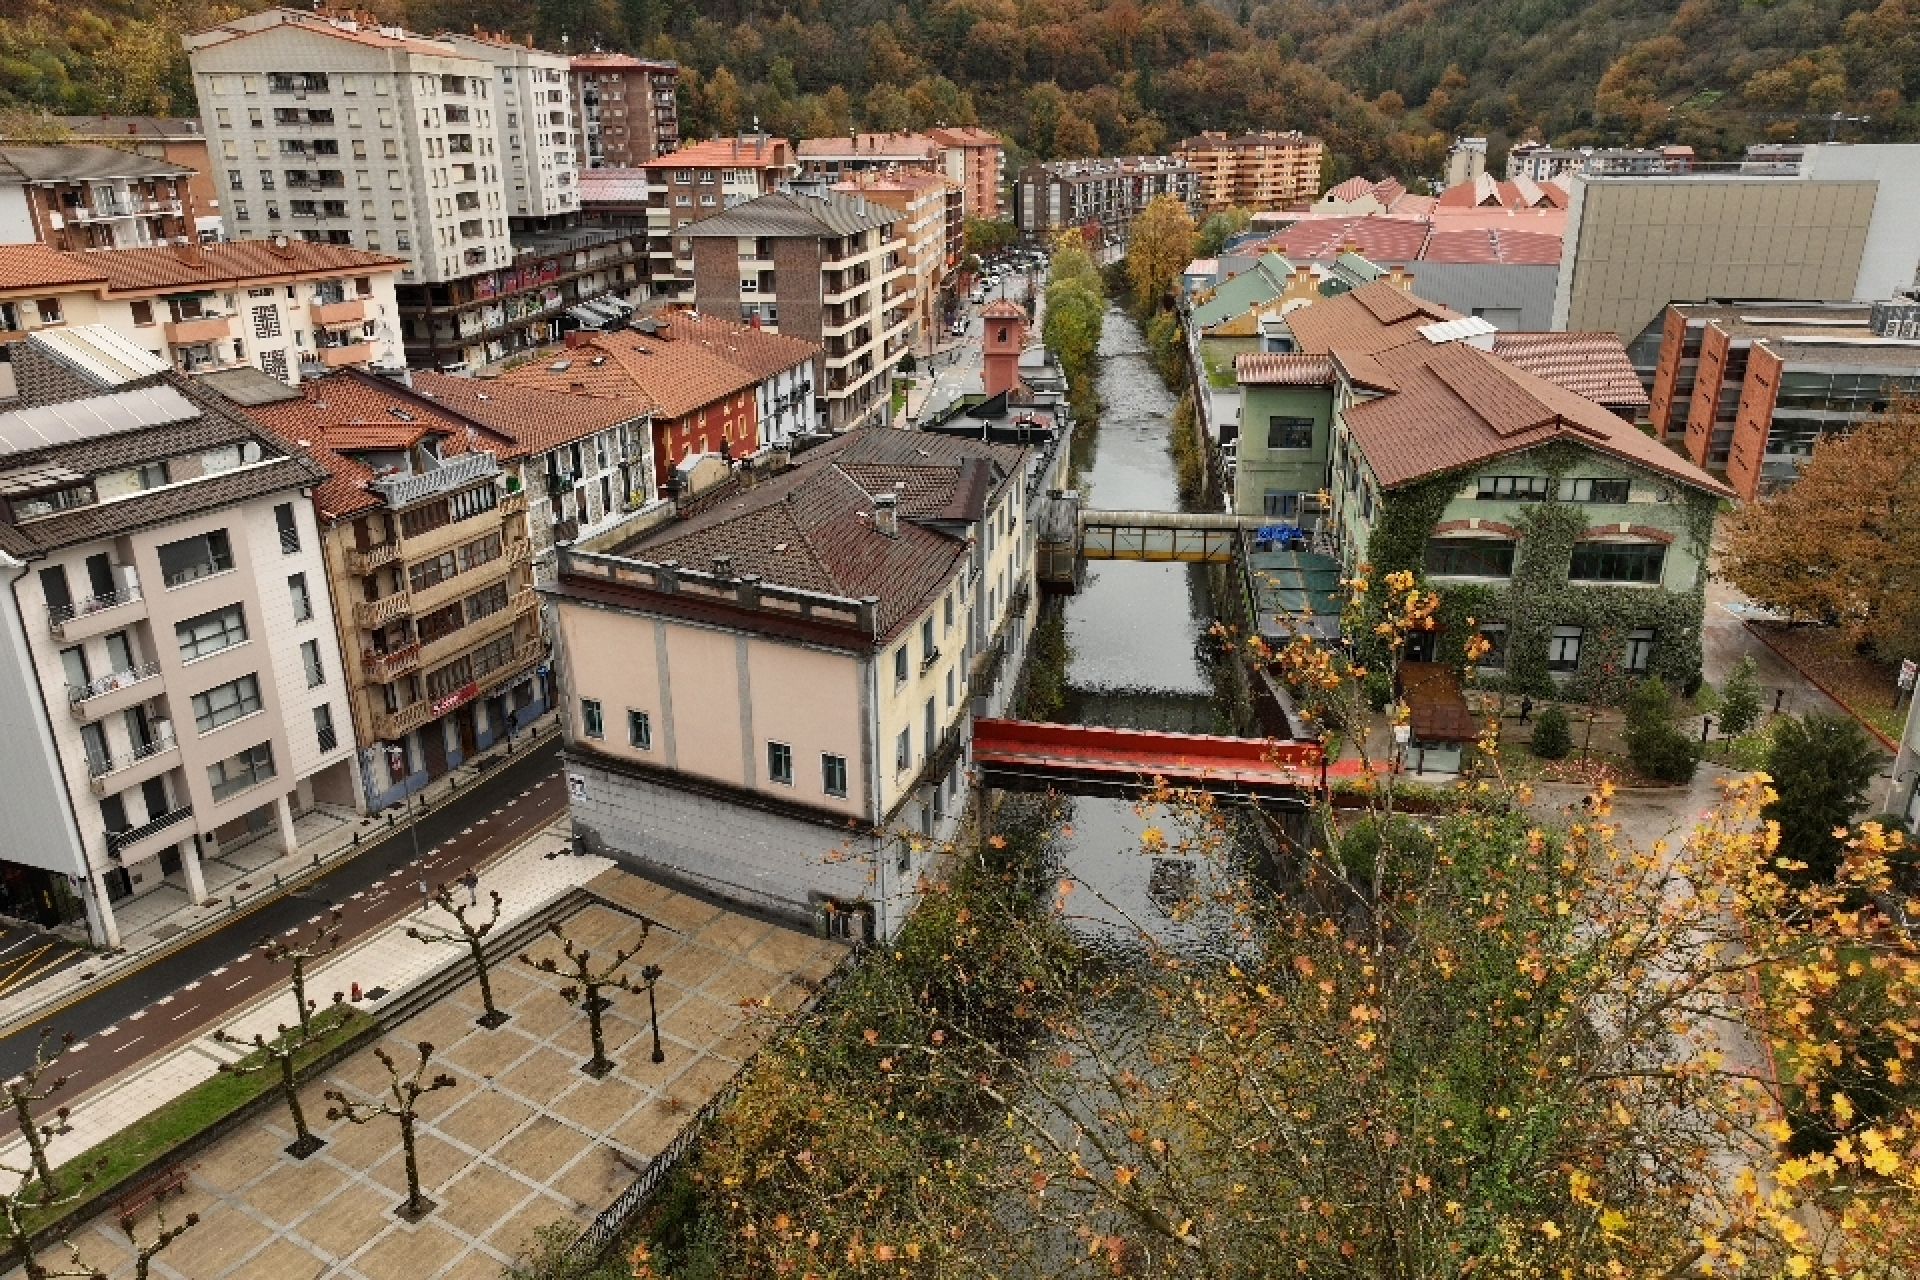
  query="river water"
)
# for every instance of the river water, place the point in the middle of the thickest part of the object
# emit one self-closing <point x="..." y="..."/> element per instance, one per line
<point x="1132" y="630"/>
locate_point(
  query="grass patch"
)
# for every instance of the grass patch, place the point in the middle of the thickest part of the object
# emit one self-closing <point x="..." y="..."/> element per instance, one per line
<point x="1862" y="684"/>
<point x="1220" y="375"/>
<point x="150" y="1140"/>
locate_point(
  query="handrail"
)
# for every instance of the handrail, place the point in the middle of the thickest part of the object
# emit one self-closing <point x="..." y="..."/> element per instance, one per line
<point x="119" y="840"/>
<point x="112" y="680"/>
<point x="60" y="614"/>
<point x="103" y="766"/>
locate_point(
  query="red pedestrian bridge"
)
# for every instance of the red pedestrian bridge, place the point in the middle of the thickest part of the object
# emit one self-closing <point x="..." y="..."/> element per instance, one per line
<point x="1025" y="755"/>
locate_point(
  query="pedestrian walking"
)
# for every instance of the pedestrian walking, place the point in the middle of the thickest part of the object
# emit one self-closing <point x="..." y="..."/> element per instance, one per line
<point x="1526" y="708"/>
<point x="472" y="881"/>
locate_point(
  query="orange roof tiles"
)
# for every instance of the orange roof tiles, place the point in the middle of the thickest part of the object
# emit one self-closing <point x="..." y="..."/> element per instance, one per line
<point x="760" y="353"/>
<point x="676" y="378"/>
<point x="1372" y="318"/>
<point x="1493" y="245"/>
<point x="1381" y="240"/>
<point x="534" y="419"/>
<point x="230" y="262"/>
<point x="722" y="153"/>
<point x="35" y="266"/>
<point x="1594" y="365"/>
<point x="1276" y="369"/>
<point x="965" y="136"/>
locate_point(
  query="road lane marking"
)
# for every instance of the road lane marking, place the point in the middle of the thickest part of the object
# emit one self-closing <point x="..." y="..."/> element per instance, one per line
<point x="123" y="1048"/>
<point x="190" y="986"/>
<point x="356" y="897"/>
<point x="109" y="1031"/>
<point x="78" y="1047"/>
<point x="231" y="985"/>
<point x="217" y="972"/>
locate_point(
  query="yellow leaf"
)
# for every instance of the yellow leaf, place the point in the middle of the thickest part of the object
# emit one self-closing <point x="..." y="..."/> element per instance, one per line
<point x="1842" y="1108"/>
<point x="1613" y="1222"/>
<point x="1124" y="1175"/>
<point x="1798" y="1265"/>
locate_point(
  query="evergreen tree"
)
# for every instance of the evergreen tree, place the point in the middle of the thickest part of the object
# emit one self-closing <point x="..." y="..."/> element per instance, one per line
<point x="1821" y="766"/>
<point x="1740" y="699"/>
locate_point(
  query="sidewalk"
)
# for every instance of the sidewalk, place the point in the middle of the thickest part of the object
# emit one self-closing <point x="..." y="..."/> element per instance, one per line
<point x="243" y="877"/>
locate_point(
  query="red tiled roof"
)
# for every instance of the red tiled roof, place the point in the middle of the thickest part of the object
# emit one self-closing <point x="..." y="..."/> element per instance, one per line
<point x="1274" y="369"/>
<point x="229" y="262"/>
<point x="965" y="136"/>
<point x="535" y="419"/>
<point x="1486" y="191"/>
<point x="1380" y="240"/>
<point x="1003" y="309"/>
<point x="1372" y="318"/>
<point x="367" y="35"/>
<point x="1594" y="365"/>
<point x="332" y="418"/>
<point x="757" y="351"/>
<point x="1350" y="190"/>
<point x="721" y="153"/>
<point x="618" y="61"/>
<point x="876" y="145"/>
<point x="676" y="378"/>
<point x="1492" y="244"/>
<point x="35" y="266"/>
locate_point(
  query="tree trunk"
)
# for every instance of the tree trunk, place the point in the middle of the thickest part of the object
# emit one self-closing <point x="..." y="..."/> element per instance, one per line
<point x="22" y="1106"/>
<point x="291" y="1087"/>
<point x="300" y="995"/>
<point x="599" y="1064"/>
<point x="413" y="1164"/>
<point x="488" y="1012"/>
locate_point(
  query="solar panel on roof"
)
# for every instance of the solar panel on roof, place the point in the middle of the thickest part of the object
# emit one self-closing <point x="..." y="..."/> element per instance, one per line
<point x="46" y="426"/>
<point x="99" y="354"/>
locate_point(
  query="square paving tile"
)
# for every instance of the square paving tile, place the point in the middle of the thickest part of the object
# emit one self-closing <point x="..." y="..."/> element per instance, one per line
<point x="484" y="1119"/>
<point x="221" y="1239"/>
<point x="439" y="1161"/>
<point x="232" y="1164"/>
<point x="481" y="1197"/>
<point x="545" y="1074"/>
<point x="346" y="1222"/>
<point x="597" y="1105"/>
<point x="291" y="1191"/>
<point x="282" y="1260"/>
<point x="541" y="1148"/>
<point x="410" y="1252"/>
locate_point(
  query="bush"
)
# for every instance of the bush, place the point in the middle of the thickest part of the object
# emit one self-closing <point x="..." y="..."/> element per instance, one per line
<point x="1740" y="699"/>
<point x="1821" y="766"/>
<point x="1655" y="745"/>
<point x="1552" y="736"/>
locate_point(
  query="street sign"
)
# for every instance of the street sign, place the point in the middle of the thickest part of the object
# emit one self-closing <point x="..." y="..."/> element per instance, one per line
<point x="576" y="787"/>
<point x="1908" y="670"/>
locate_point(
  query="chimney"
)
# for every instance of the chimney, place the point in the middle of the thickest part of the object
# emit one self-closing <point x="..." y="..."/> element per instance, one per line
<point x="723" y="568"/>
<point x="886" y="514"/>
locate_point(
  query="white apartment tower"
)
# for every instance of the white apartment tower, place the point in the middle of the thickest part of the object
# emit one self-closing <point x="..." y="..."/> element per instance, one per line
<point x="534" y="113"/>
<point x="330" y="129"/>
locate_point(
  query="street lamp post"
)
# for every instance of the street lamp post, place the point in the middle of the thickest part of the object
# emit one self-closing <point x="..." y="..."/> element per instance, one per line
<point x="650" y="975"/>
<point x="396" y="761"/>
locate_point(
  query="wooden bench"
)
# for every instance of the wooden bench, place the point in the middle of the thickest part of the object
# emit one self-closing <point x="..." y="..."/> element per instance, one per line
<point x="173" y="1181"/>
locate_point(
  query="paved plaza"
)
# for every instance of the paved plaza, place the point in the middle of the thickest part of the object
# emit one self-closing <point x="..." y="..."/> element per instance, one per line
<point x="525" y="1139"/>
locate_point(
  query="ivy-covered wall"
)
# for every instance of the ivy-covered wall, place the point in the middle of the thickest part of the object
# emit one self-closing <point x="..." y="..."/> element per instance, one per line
<point x="1539" y="597"/>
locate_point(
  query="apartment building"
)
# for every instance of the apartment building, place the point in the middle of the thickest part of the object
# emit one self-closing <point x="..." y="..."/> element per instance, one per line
<point x="697" y="182"/>
<point x="172" y="684"/>
<point x="1542" y="163"/>
<point x="175" y="139"/>
<point x="977" y="160"/>
<point x="425" y="548"/>
<point x="832" y="159"/>
<point x="933" y="224"/>
<point x="90" y="197"/>
<point x="1748" y="389"/>
<point x="1255" y="171"/>
<point x="534" y="113"/>
<point x="834" y="270"/>
<point x="628" y="109"/>
<point x="1099" y="196"/>
<point x="280" y="306"/>
<point x="771" y="698"/>
<point x="702" y="405"/>
<point x="784" y="404"/>
<point x="1466" y="160"/>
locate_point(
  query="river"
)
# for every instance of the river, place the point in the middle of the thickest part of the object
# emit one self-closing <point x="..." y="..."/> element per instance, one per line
<point x="1132" y="630"/>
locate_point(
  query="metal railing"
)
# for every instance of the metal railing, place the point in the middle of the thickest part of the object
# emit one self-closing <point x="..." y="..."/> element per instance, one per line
<point x="378" y="613"/>
<point x="117" y="841"/>
<point x="400" y="491"/>
<point x="289" y="542"/>
<point x="80" y="693"/>
<point x="102" y="766"/>
<point x="365" y="562"/>
<point x="59" y="615"/>
<point x="385" y="666"/>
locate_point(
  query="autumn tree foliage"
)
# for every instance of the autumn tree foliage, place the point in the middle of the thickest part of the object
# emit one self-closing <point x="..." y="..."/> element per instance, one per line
<point x="1841" y="547"/>
<point x="1500" y="1044"/>
<point x="1159" y="246"/>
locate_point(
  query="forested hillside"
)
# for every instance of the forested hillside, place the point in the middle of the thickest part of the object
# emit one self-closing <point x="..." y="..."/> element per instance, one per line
<point x="1385" y="81"/>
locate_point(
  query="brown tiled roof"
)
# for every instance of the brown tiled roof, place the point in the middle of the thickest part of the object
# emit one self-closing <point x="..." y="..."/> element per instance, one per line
<point x="812" y="527"/>
<point x="757" y="351"/>
<point x="331" y="418"/>
<point x="970" y="135"/>
<point x="1488" y="192"/>
<point x="676" y="378"/>
<point x="721" y="153"/>
<point x="619" y="61"/>
<point x="914" y="145"/>
<point x="1273" y="369"/>
<point x="1457" y="406"/>
<point x="1350" y="190"/>
<point x="35" y="266"/>
<point x="1594" y="365"/>
<point x="1372" y="318"/>
<point x="534" y="418"/>
<point x="1382" y="240"/>
<point x="229" y="262"/>
<point x="1492" y="244"/>
<point x="1004" y="309"/>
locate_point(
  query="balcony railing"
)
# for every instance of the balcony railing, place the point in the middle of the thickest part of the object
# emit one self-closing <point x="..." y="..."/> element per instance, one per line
<point x="514" y="503"/>
<point x="117" y="841"/>
<point x="378" y="613"/>
<point x="394" y="725"/>
<point x="77" y="695"/>
<point x="384" y="667"/>
<point x="365" y="562"/>
<point x="106" y="766"/>
<point x="461" y="469"/>
<point x="59" y="615"/>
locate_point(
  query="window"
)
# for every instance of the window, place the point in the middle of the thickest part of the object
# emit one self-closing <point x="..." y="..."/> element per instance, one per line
<point x="211" y="632"/>
<point x="1563" y="649"/>
<point x="1617" y="562"/>
<point x="191" y="559"/>
<point x="302" y="601"/>
<point x="1639" y="650"/>
<point x="946" y="611"/>
<point x="1289" y="433"/>
<point x="780" y="763"/>
<point x="289" y="528"/>
<point x="49" y="310"/>
<point x="323" y="733"/>
<point x="949" y="688"/>
<point x="931" y="725"/>
<point x="927" y="652"/>
<point x="237" y="773"/>
<point x="640" y="730"/>
<point x="1594" y="490"/>
<point x="310" y="659"/>
<point x="590" y="718"/>
<point x="1275" y="503"/>
<point x="903" y="750"/>
<point x="900" y="665"/>
<point x="1495" y="634"/>
<point x="142" y="311"/>
<point x="1514" y="488"/>
<point x="225" y="703"/>
<point x="833" y="775"/>
<point x="1470" y="557"/>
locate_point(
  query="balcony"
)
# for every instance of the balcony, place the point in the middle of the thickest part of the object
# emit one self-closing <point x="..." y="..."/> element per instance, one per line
<point x="391" y="726"/>
<point x="385" y="667"/>
<point x="365" y="562"/>
<point x="525" y="656"/>
<point x="149" y="838"/>
<point x="345" y="311"/>
<point x="519" y="552"/>
<point x="514" y="504"/>
<point x="454" y="473"/>
<point x="133" y="767"/>
<point x="76" y="621"/>
<point x="373" y="614"/>
<point x="352" y="353"/>
<point x="98" y="697"/>
<point x="198" y="329"/>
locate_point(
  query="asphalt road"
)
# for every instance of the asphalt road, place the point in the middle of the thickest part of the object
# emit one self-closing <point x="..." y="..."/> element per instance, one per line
<point x="179" y="997"/>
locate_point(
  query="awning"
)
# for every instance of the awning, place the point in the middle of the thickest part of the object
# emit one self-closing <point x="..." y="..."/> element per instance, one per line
<point x="1437" y="710"/>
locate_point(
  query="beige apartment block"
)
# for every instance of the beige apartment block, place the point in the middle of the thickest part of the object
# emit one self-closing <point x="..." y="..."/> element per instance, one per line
<point x="534" y="114"/>
<point x="771" y="698"/>
<point x="1257" y="171"/>
<point x="932" y="225"/>
<point x="283" y="307"/>
<point x="977" y="160"/>
<point x="171" y="682"/>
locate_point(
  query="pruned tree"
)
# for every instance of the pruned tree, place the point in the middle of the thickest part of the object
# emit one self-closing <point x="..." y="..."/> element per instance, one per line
<point x="587" y="984"/>
<point x="26" y="1092"/>
<point x="402" y="1103"/>
<point x="471" y="934"/>
<point x="325" y="940"/>
<point x="278" y="1054"/>
<point x="17" y="1233"/>
<point x="144" y="1254"/>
